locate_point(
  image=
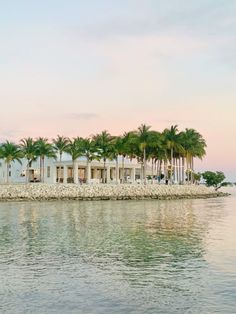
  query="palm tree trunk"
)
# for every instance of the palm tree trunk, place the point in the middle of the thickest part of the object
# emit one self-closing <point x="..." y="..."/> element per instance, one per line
<point x="171" y="166"/>
<point x="27" y="177"/>
<point x="40" y="169"/>
<point x="188" y="169"/>
<point x="152" y="171"/>
<point x="88" y="171"/>
<point x="180" y="171"/>
<point x="144" y="166"/>
<point x="192" y="172"/>
<point x="160" y="171"/>
<point x="60" y="170"/>
<point x="141" y="171"/>
<point x="104" y="171"/>
<point x="174" y="170"/>
<point x="8" y="172"/>
<point x="165" y="170"/>
<point x="157" y="165"/>
<point x="183" y="170"/>
<point x="75" y="172"/>
<point x="43" y="168"/>
<point x="177" y="170"/>
<point x="117" y="171"/>
<point x="123" y="169"/>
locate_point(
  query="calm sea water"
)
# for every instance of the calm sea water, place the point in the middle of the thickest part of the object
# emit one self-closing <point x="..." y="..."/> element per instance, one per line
<point x="118" y="257"/>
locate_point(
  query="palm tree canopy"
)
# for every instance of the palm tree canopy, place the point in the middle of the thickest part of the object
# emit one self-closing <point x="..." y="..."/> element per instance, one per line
<point x="172" y="140"/>
<point x="89" y="149"/>
<point x="10" y="152"/>
<point x="74" y="148"/>
<point x="44" y="148"/>
<point x="193" y="143"/>
<point x="28" y="148"/>
<point x="154" y="144"/>
<point x="103" y="142"/>
<point x="145" y="140"/>
<point x="143" y="134"/>
<point x="60" y="144"/>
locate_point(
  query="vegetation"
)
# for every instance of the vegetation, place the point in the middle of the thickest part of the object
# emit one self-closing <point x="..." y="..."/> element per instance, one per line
<point x="214" y="179"/>
<point x="43" y="149"/>
<point x="104" y="146"/>
<point x="28" y="149"/>
<point x="10" y="152"/>
<point x="60" y="144"/>
<point x="170" y="153"/>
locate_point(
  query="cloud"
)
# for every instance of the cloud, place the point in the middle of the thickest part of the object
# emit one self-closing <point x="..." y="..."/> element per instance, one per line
<point x="205" y="27"/>
<point x="205" y="18"/>
<point x="83" y="116"/>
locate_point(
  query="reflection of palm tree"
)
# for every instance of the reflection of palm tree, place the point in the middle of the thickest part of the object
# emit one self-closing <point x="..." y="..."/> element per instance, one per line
<point x="10" y="152"/>
<point x="29" y="152"/>
<point x="60" y="144"/>
<point x="44" y="149"/>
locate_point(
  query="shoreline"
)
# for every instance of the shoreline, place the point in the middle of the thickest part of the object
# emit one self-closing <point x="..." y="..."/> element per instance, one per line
<point x="54" y="192"/>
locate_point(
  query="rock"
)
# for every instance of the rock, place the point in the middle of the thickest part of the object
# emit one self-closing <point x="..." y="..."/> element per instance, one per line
<point x="39" y="191"/>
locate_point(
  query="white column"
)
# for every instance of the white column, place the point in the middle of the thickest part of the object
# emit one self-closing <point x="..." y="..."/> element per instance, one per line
<point x="54" y="173"/>
<point x="65" y="174"/>
<point x="108" y="174"/>
<point x="113" y="172"/>
<point x="133" y="175"/>
<point x="75" y="172"/>
<point x="88" y="173"/>
<point x="117" y="173"/>
<point x="95" y="174"/>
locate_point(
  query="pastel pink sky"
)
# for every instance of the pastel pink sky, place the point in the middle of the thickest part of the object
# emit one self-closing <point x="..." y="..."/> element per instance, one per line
<point x="73" y="69"/>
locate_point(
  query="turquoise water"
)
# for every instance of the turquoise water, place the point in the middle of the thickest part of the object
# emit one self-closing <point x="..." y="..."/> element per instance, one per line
<point x="118" y="257"/>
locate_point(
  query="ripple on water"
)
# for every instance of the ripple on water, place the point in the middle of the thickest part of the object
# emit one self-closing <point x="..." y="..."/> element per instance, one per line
<point x="118" y="257"/>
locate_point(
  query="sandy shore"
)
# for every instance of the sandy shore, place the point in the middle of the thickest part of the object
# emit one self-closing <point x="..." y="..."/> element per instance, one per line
<point x="38" y="191"/>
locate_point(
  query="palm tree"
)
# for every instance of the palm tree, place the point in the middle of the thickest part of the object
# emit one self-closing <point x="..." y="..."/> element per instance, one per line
<point x="44" y="149"/>
<point x="103" y="142"/>
<point x="173" y="144"/>
<point x="128" y="148"/>
<point x="194" y="146"/>
<point x="74" y="149"/>
<point x="117" y="149"/>
<point x="89" y="150"/>
<point x="154" y="148"/>
<point x="28" y="149"/>
<point x="60" y="144"/>
<point x="144" y="136"/>
<point x="10" y="152"/>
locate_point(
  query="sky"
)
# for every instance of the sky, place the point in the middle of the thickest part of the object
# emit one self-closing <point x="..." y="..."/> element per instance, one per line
<point x="76" y="68"/>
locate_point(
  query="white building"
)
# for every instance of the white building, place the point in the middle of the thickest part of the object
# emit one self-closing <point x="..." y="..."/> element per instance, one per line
<point x="54" y="171"/>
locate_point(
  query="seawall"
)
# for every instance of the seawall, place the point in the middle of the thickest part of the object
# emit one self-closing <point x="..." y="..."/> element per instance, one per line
<point x="39" y="191"/>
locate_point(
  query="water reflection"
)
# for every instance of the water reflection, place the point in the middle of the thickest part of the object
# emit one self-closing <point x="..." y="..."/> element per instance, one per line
<point x="151" y="253"/>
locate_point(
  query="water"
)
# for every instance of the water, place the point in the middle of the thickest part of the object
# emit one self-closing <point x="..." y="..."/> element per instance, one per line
<point x="118" y="257"/>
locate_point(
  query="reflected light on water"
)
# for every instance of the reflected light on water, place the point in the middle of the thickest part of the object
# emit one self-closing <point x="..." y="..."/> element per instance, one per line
<point x="118" y="256"/>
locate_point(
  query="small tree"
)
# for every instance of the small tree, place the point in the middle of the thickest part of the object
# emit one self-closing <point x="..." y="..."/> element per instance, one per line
<point x="197" y="177"/>
<point x="214" y="179"/>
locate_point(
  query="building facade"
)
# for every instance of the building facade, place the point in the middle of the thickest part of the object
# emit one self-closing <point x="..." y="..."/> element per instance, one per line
<point x="66" y="171"/>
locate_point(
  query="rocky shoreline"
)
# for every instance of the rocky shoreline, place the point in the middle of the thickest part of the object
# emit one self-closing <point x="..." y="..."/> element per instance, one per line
<point x="39" y="191"/>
